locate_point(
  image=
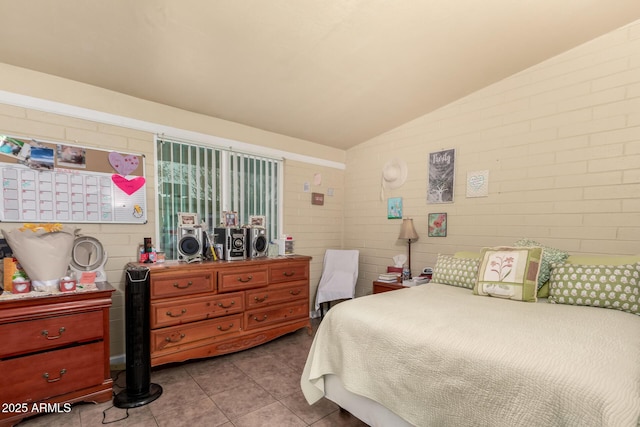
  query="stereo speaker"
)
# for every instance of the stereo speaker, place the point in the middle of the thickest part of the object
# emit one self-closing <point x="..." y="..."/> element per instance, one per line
<point x="190" y="243"/>
<point x="257" y="243"/>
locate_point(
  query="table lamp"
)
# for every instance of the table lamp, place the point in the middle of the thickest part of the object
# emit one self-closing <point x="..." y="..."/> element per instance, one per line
<point x="408" y="232"/>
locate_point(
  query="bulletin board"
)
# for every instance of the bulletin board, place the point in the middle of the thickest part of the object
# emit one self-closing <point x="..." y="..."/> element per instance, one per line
<point x="44" y="181"/>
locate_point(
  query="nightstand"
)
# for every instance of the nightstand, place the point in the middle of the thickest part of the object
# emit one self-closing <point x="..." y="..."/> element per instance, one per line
<point x="379" y="287"/>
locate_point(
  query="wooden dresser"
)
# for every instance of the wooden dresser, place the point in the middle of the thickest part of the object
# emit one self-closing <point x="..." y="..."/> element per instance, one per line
<point x="54" y="351"/>
<point x="212" y="308"/>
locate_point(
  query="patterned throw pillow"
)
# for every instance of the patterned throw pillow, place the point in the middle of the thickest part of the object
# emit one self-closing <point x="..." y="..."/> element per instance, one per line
<point x="455" y="271"/>
<point x="509" y="272"/>
<point x="549" y="256"/>
<point x="609" y="286"/>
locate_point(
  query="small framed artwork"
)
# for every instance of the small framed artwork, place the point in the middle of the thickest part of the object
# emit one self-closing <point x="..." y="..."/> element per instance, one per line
<point x="394" y="207"/>
<point x="437" y="224"/>
<point x="187" y="218"/>
<point x="257" y="221"/>
<point x="230" y="218"/>
<point x="317" y="199"/>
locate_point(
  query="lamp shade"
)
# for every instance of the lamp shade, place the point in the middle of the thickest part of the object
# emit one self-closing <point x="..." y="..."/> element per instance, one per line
<point x="407" y="230"/>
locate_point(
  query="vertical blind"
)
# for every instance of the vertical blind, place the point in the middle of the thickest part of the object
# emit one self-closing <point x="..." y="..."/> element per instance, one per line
<point x="209" y="181"/>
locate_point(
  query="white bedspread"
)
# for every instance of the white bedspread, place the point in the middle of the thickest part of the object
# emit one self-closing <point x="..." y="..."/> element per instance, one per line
<point x="438" y="355"/>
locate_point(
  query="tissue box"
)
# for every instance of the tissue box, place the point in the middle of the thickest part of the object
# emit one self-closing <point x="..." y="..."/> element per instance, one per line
<point x="391" y="269"/>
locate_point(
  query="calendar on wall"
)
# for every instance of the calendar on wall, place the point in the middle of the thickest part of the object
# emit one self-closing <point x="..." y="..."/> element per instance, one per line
<point x="49" y="182"/>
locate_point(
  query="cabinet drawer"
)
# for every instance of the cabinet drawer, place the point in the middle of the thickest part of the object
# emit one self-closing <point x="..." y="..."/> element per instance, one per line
<point x="43" y="334"/>
<point x="275" y="294"/>
<point x="234" y="279"/>
<point x="52" y="373"/>
<point x="175" y="336"/>
<point x="276" y="314"/>
<point x="181" y="283"/>
<point x="184" y="310"/>
<point x="288" y="272"/>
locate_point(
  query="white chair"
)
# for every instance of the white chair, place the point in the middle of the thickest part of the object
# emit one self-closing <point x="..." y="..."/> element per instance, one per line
<point x="339" y="276"/>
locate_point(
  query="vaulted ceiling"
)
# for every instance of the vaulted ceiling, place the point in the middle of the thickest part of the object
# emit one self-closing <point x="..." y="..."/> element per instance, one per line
<point x="335" y="72"/>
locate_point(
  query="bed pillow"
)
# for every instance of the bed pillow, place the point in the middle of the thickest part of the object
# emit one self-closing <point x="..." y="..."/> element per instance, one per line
<point x="549" y="256"/>
<point x="466" y="254"/>
<point x="603" y="259"/>
<point x="509" y="272"/>
<point x="455" y="271"/>
<point x="608" y="286"/>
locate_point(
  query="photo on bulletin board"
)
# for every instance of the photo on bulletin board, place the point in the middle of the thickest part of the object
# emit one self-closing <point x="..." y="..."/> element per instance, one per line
<point x="394" y="208"/>
<point x="437" y="223"/>
<point x="71" y="156"/>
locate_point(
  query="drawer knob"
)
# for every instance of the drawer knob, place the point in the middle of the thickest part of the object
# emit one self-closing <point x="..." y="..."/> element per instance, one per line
<point x="176" y="339"/>
<point x="221" y="305"/>
<point x="45" y="333"/>
<point x="220" y="328"/>
<point x="296" y="292"/>
<point x="260" y="320"/>
<point x="170" y="314"/>
<point x="258" y="299"/>
<point x="248" y="279"/>
<point x="177" y="285"/>
<point x="53" y="380"/>
<point x="289" y="273"/>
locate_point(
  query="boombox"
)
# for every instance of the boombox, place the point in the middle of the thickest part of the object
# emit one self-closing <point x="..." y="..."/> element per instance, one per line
<point x="190" y="243"/>
<point x="232" y="242"/>
<point x="256" y="242"/>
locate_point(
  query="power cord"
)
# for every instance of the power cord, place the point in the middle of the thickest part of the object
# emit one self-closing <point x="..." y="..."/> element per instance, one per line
<point x="104" y="413"/>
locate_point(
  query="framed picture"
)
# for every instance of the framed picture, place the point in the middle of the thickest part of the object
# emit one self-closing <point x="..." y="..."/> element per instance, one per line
<point x="258" y="221"/>
<point x="441" y="174"/>
<point x="230" y="218"/>
<point x="394" y="207"/>
<point x="187" y="218"/>
<point x="437" y="224"/>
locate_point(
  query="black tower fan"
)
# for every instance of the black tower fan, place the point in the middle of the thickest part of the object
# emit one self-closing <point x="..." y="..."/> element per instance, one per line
<point x="139" y="390"/>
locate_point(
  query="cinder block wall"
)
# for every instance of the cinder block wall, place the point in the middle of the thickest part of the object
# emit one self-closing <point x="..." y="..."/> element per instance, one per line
<point x="561" y="142"/>
<point x="314" y="228"/>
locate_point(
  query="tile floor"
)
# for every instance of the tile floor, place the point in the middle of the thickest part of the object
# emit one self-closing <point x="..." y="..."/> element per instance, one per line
<point x="259" y="387"/>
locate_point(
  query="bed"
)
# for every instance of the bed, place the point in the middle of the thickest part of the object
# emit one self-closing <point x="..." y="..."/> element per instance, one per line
<point x="438" y="355"/>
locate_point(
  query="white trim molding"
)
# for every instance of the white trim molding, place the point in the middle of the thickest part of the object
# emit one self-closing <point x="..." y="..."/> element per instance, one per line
<point x="54" y="107"/>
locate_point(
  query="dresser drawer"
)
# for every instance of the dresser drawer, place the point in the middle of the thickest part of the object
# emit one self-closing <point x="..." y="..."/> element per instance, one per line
<point x="175" y="336"/>
<point x="52" y="373"/>
<point x="276" y="314"/>
<point x="288" y="272"/>
<point x="43" y="334"/>
<point x="184" y="310"/>
<point x="235" y="279"/>
<point x="276" y="294"/>
<point x="181" y="283"/>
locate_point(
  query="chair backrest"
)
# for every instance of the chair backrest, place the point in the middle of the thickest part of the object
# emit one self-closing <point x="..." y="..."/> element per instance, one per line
<point x="339" y="275"/>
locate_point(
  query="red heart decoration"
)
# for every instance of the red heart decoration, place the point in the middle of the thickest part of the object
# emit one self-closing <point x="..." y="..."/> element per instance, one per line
<point x="129" y="186"/>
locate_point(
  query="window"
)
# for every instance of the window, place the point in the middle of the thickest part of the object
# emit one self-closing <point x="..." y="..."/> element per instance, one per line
<point x="211" y="180"/>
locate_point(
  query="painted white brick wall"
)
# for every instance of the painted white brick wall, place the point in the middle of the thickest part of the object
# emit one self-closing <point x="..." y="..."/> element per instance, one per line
<point x="561" y="141"/>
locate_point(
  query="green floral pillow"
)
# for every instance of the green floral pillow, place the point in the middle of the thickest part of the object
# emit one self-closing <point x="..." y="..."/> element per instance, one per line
<point x="455" y="271"/>
<point x="608" y="286"/>
<point x="509" y="272"/>
<point x="549" y="256"/>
